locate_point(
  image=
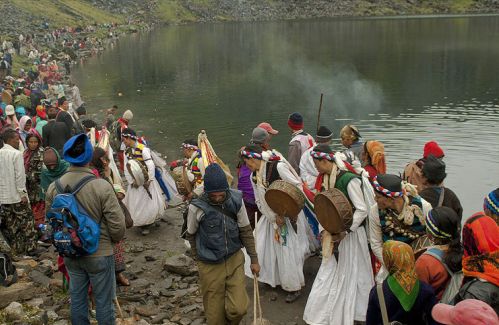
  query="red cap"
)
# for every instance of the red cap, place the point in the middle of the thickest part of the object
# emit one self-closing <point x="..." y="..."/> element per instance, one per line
<point x="267" y="127"/>
<point x="432" y="148"/>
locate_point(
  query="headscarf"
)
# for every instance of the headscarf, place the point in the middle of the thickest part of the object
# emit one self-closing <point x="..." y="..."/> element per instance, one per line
<point x="403" y="280"/>
<point x="41" y="112"/>
<point x="350" y="131"/>
<point x="376" y="152"/>
<point x="28" y="153"/>
<point x="481" y="248"/>
<point x="23" y="121"/>
<point x="50" y="175"/>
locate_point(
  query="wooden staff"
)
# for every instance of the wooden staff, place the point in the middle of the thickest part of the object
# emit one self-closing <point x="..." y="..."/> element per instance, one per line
<point x="319" y="115"/>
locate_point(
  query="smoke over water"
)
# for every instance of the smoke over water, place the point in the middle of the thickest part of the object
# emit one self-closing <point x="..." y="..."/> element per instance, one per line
<point x="346" y="93"/>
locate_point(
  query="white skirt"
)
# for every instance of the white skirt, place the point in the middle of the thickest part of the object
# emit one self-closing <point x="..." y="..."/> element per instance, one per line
<point x="281" y="263"/>
<point x="340" y="293"/>
<point x="144" y="209"/>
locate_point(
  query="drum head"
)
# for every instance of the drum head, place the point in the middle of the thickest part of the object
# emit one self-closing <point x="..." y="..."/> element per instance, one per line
<point x="333" y="210"/>
<point x="285" y="199"/>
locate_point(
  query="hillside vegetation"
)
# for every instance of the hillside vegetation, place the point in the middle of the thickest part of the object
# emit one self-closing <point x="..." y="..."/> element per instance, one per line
<point x="21" y="14"/>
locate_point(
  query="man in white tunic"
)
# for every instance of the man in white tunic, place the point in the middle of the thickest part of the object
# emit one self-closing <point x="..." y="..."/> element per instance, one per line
<point x="282" y="247"/>
<point x="144" y="201"/>
<point x="340" y="292"/>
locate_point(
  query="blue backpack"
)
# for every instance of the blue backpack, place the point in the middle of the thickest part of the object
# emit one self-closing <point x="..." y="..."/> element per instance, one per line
<point x="73" y="232"/>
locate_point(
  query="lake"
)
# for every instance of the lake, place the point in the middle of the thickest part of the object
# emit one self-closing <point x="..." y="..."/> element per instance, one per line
<point x="403" y="81"/>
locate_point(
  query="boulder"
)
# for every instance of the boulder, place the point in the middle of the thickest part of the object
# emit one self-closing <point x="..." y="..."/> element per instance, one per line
<point x="14" y="311"/>
<point x="19" y="291"/>
<point x="180" y="264"/>
<point x="39" y="278"/>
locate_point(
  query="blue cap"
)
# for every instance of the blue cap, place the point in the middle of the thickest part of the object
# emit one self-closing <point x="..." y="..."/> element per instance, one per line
<point x="80" y="140"/>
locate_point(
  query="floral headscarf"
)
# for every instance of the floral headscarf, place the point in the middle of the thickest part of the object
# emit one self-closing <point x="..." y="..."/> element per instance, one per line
<point x="403" y="280"/>
<point x="481" y="248"/>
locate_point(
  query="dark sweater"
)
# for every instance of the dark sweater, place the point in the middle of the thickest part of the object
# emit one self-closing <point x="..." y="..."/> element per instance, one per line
<point x="432" y="194"/>
<point x="64" y="117"/>
<point x="420" y="312"/>
<point x="55" y="134"/>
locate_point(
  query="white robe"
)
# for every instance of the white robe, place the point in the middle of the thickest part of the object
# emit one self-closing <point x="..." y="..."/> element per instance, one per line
<point x="340" y="293"/>
<point x="308" y="172"/>
<point x="144" y="209"/>
<point x="280" y="263"/>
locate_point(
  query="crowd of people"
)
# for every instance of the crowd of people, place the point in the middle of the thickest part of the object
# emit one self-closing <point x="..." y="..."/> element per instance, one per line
<point x="404" y="257"/>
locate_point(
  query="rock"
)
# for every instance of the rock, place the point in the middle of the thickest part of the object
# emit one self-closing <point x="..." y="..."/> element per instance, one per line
<point x="36" y="302"/>
<point x="150" y="258"/>
<point x="26" y="264"/>
<point x="39" y="278"/>
<point x="185" y="321"/>
<point x="137" y="248"/>
<point x="167" y="284"/>
<point x="175" y="318"/>
<point x="52" y="315"/>
<point x="46" y="267"/>
<point x="61" y="322"/>
<point x="180" y="264"/>
<point x="158" y="319"/>
<point x="183" y="285"/>
<point x="198" y="321"/>
<point x="190" y="279"/>
<point x="64" y="313"/>
<point x="191" y="308"/>
<point x="147" y="311"/>
<point x="55" y="283"/>
<point x="14" y="311"/>
<point x="19" y="291"/>
<point x="140" y="284"/>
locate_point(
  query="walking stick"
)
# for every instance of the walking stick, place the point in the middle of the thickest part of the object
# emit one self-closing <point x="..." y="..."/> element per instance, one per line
<point x="120" y="312"/>
<point x="319" y="115"/>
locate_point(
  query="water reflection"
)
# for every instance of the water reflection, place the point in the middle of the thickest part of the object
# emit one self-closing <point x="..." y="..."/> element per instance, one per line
<point x="403" y="81"/>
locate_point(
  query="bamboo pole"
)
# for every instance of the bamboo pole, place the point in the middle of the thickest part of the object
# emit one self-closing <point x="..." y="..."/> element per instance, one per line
<point x="319" y="114"/>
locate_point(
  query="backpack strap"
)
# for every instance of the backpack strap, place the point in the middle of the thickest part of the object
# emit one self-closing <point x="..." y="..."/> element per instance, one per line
<point x="382" y="303"/>
<point x="77" y="187"/>
<point x="441" y="197"/>
<point x="438" y="254"/>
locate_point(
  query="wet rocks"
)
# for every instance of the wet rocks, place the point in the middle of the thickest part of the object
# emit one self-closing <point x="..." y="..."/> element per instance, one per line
<point x="180" y="264"/>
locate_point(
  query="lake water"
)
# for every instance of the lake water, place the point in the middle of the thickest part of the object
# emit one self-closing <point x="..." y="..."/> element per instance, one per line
<point x="402" y="81"/>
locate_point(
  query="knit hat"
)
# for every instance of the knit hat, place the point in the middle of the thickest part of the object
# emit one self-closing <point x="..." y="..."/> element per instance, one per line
<point x="20" y="110"/>
<point x="9" y="110"/>
<point x="443" y="223"/>
<point x="215" y="179"/>
<point x="434" y="170"/>
<point x="259" y="136"/>
<point x="491" y="202"/>
<point x="128" y="115"/>
<point x="324" y="134"/>
<point x="78" y="150"/>
<point x="267" y="127"/>
<point x="466" y="312"/>
<point x="295" y="121"/>
<point x="432" y="148"/>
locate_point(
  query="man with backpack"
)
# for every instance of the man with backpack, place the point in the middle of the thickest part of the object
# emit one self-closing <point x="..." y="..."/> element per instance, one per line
<point x="89" y="257"/>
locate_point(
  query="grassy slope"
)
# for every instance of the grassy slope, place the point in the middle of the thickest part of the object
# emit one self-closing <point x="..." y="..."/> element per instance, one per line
<point x="60" y="13"/>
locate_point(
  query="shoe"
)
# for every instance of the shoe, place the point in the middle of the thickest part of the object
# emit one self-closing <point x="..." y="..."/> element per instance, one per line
<point x="122" y="280"/>
<point x="292" y="296"/>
